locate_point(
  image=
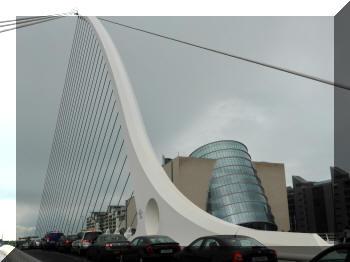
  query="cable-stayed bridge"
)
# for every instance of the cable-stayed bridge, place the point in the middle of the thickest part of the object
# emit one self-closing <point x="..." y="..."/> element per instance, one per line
<point x="101" y="156"/>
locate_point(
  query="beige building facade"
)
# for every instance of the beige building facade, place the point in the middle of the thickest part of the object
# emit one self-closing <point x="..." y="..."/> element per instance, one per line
<point x="192" y="177"/>
<point x="273" y="180"/>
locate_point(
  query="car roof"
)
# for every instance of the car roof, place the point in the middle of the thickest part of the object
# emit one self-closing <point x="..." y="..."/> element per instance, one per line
<point x="148" y="236"/>
<point x="112" y="234"/>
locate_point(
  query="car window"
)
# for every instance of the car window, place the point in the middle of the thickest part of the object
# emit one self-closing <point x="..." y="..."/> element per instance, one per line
<point x="99" y="239"/>
<point x="115" y="237"/>
<point x="211" y="243"/>
<point x="91" y="235"/>
<point x="141" y="242"/>
<point x="72" y="237"/>
<point x="134" y="242"/>
<point x="335" y="255"/>
<point x="161" y="239"/>
<point x="242" y="242"/>
<point x="196" y="245"/>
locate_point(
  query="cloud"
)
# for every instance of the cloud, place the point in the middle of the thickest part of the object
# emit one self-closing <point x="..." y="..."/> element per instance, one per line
<point x="215" y="124"/>
<point x="24" y="231"/>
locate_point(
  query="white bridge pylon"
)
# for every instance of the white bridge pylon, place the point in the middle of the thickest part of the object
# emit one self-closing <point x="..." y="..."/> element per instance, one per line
<point x="161" y="207"/>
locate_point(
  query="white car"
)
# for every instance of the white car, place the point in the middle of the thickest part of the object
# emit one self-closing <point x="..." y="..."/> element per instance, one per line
<point x="25" y="245"/>
<point x="35" y="242"/>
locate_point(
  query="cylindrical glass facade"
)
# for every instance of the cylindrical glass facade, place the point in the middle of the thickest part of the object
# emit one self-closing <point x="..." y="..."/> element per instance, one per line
<point x="235" y="193"/>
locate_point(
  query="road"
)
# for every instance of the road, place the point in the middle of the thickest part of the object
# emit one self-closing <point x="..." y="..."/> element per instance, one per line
<point x="53" y="256"/>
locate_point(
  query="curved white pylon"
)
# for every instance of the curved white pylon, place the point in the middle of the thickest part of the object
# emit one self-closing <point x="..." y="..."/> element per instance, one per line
<point x="162" y="208"/>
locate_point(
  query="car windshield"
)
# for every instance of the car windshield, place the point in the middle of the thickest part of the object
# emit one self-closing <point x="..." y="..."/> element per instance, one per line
<point x="160" y="239"/>
<point x="242" y="242"/>
<point x="92" y="235"/>
<point x="73" y="237"/>
<point x="111" y="238"/>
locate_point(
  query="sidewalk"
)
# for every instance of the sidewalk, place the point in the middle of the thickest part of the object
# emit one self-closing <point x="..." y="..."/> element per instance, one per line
<point x="4" y="251"/>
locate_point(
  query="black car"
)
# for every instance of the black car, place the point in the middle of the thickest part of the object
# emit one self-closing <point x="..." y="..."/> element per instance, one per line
<point x="64" y="244"/>
<point x="227" y="248"/>
<point x="338" y="253"/>
<point x="152" y="248"/>
<point x="108" y="247"/>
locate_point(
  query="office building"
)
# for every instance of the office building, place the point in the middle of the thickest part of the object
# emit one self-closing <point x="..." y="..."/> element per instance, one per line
<point x="228" y="185"/>
<point x="291" y="209"/>
<point x="95" y="221"/>
<point x="114" y="215"/>
<point x="312" y="210"/>
<point x="341" y="185"/>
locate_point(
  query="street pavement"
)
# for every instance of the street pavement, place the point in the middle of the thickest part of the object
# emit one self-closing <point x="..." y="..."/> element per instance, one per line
<point x="53" y="256"/>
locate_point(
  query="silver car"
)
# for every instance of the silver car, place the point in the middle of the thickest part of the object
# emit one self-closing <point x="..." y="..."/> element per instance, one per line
<point x="85" y="240"/>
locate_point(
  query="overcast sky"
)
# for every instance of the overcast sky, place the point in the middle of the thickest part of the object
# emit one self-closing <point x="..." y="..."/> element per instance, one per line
<point x="189" y="97"/>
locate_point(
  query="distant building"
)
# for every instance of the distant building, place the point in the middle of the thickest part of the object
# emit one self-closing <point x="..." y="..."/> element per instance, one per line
<point x="113" y="214"/>
<point x="107" y="220"/>
<point x="312" y="208"/>
<point x="232" y="187"/>
<point x="291" y="209"/>
<point x="341" y="184"/>
<point x="95" y="221"/>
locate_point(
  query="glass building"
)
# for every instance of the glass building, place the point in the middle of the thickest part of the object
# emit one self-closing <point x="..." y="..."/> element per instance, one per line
<point x="235" y="192"/>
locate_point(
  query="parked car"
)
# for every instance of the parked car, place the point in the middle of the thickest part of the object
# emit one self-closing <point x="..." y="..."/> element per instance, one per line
<point x="50" y="239"/>
<point x="25" y="245"/>
<point x="84" y="241"/>
<point x="108" y="247"/>
<point x="337" y="253"/>
<point x="42" y="242"/>
<point x="64" y="244"/>
<point x="35" y="242"/>
<point x="152" y="248"/>
<point x="230" y="248"/>
<point x="19" y="243"/>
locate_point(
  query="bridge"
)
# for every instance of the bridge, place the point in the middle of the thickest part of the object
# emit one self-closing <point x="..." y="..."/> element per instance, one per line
<point x="101" y="156"/>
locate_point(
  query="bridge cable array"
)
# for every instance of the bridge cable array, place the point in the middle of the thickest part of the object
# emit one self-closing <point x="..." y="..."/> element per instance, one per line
<point x="18" y="23"/>
<point x="88" y="163"/>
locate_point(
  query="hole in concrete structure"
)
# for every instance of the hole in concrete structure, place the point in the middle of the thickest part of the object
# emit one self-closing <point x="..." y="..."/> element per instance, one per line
<point x="152" y="217"/>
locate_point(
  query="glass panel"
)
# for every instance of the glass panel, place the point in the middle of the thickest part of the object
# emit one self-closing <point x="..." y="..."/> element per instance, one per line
<point x="211" y="243"/>
<point x="197" y="244"/>
<point x="161" y="239"/>
<point x="336" y="255"/>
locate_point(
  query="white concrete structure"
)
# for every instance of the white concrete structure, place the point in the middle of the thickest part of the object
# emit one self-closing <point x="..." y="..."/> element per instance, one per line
<point x="5" y="250"/>
<point x="162" y="208"/>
